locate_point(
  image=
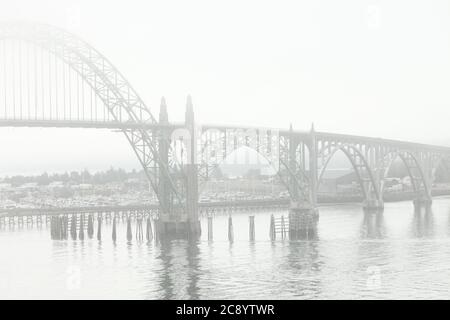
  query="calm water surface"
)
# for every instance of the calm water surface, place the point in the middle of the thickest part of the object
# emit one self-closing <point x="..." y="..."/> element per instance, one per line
<point x="399" y="254"/>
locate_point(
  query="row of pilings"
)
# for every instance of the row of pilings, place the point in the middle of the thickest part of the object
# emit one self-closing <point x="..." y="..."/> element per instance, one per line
<point x="304" y="227"/>
<point x="31" y="220"/>
<point x="63" y="227"/>
<point x="22" y="221"/>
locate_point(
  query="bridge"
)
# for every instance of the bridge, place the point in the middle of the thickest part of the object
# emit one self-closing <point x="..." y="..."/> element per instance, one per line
<point x="52" y="78"/>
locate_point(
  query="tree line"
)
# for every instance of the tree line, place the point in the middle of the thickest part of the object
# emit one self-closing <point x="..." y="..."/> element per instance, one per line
<point x="77" y="177"/>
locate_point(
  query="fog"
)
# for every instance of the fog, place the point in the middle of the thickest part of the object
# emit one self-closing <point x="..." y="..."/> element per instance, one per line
<point x="375" y="68"/>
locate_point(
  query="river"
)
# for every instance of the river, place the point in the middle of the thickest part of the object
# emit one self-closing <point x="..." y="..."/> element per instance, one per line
<point x="399" y="254"/>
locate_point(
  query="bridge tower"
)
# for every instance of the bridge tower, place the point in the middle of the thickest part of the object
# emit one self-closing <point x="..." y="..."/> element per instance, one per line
<point x="168" y="222"/>
<point x="163" y="149"/>
<point x="176" y="221"/>
<point x="191" y="170"/>
<point x="293" y="145"/>
<point x="303" y="213"/>
<point x="313" y="168"/>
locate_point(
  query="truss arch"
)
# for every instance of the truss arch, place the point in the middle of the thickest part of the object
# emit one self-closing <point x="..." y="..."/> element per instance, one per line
<point x="121" y="100"/>
<point x="414" y="168"/>
<point x="364" y="172"/>
<point x="216" y="145"/>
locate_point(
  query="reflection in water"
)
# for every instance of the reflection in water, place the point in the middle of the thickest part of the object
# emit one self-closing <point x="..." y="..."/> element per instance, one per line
<point x="423" y="224"/>
<point x="180" y="269"/>
<point x="303" y="259"/>
<point x="373" y="225"/>
<point x="396" y="254"/>
<point x="193" y="258"/>
<point x="166" y="272"/>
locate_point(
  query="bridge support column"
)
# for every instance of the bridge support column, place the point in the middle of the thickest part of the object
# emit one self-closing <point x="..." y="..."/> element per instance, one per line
<point x="422" y="201"/>
<point x="303" y="221"/>
<point x="183" y="222"/>
<point x="373" y="205"/>
<point x="194" y="227"/>
<point x="303" y="214"/>
<point x="167" y="222"/>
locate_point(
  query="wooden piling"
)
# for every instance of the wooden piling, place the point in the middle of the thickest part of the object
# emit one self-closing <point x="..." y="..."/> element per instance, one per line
<point x="66" y="227"/>
<point x="73" y="227"/>
<point x="99" y="228"/>
<point x="52" y="228"/>
<point x="114" y="233"/>
<point x="58" y="228"/>
<point x="283" y="228"/>
<point x="129" y="232"/>
<point x="272" y="231"/>
<point x="81" y="231"/>
<point x="90" y="228"/>
<point x="230" y="229"/>
<point x="139" y="232"/>
<point x="210" y="228"/>
<point x="251" y="231"/>
<point x="149" y="232"/>
<point x="61" y="226"/>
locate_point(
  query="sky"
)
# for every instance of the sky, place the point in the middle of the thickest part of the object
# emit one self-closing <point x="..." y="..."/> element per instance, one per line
<point x="375" y="68"/>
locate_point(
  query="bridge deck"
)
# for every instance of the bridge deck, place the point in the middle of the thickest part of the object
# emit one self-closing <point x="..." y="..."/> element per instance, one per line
<point x="86" y="124"/>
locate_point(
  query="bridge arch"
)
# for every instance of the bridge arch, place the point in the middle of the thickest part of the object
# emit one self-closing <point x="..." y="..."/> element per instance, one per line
<point x="439" y="161"/>
<point x="414" y="169"/>
<point x="217" y="145"/>
<point x="110" y="86"/>
<point x="364" y="172"/>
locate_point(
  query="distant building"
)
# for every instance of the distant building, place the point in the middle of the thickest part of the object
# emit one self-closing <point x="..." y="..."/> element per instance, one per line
<point x="253" y="174"/>
<point x="338" y="180"/>
<point x="407" y="181"/>
<point x="30" y="186"/>
<point x="55" y="184"/>
<point x="5" y="186"/>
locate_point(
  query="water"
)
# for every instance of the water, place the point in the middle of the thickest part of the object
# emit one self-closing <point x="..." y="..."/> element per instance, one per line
<point x="398" y="255"/>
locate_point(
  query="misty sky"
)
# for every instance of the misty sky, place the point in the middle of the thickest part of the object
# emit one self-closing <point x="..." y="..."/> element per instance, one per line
<point x="377" y="68"/>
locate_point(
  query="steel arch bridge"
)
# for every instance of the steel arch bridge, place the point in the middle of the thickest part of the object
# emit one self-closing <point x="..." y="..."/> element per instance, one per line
<point x="51" y="78"/>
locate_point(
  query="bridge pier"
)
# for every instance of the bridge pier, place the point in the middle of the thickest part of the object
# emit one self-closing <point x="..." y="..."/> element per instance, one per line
<point x="373" y="205"/>
<point x="180" y="222"/>
<point x="304" y="215"/>
<point x="303" y="220"/>
<point x="177" y="227"/>
<point x="422" y="202"/>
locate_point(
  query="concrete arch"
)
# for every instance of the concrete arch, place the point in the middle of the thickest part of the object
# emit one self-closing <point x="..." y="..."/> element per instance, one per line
<point x="284" y="171"/>
<point x="359" y="164"/>
<point x="418" y="178"/>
